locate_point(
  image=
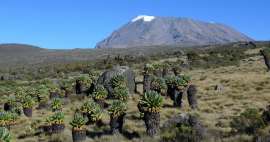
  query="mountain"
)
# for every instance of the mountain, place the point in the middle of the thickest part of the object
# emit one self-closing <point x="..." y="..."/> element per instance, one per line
<point x="155" y="31"/>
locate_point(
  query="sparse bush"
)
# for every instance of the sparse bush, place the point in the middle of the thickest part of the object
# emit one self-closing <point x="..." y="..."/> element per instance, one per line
<point x="248" y="122"/>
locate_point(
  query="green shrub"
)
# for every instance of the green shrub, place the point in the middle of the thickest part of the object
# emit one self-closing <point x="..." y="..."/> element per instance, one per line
<point x="248" y="122"/>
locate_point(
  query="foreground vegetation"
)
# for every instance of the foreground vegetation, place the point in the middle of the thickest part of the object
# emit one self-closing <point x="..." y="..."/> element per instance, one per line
<point x="232" y="93"/>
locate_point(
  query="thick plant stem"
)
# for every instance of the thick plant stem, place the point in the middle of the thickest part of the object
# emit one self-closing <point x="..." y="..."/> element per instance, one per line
<point x="152" y="121"/>
<point x="191" y="95"/>
<point x="146" y="83"/>
<point x="117" y="123"/>
<point x="266" y="59"/>
<point x="177" y="98"/>
<point x="78" y="87"/>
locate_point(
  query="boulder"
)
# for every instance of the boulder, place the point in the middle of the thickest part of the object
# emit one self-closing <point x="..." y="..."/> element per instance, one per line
<point x="106" y="77"/>
<point x="197" y="132"/>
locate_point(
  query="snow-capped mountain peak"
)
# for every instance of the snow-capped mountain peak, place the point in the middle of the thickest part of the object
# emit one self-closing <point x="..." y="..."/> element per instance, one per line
<point x="145" y="18"/>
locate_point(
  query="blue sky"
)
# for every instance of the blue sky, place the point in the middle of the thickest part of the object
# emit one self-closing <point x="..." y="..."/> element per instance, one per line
<point x="66" y="24"/>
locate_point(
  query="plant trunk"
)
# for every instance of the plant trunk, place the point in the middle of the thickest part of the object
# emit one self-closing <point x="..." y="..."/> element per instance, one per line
<point x="266" y="59"/>
<point x="58" y="128"/>
<point x="78" y="135"/>
<point x="47" y="129"/>
<point x="191" y="95"/>
<point x="165" y="72"/>
<point x="170" y="91"/>
<point x="101" y="103"/>
<point x="8" y="107"/>
<point x="42" y="105"/>
<point x="158" y="73"/>
<point x="152" y="121"/>
<point x="177" y="98"/>
<point x="28" y="112"/>
<point x="54" y="95"/>
<point x="146" y="83"/>
<point x="78" y="87"/>
<point x="116" y="124"/>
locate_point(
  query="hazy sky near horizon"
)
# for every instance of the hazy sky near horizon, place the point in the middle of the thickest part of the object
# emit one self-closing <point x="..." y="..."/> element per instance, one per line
<point x="63" y="24"/>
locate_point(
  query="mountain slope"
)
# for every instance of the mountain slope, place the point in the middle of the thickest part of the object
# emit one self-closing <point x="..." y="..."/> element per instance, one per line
<point x="152" y="31"/>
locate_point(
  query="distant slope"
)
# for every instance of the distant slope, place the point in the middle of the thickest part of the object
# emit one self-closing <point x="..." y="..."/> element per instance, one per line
<point x="18" y="48"/>
<point x="170" y="31"/>
<point x="27" y="55"/>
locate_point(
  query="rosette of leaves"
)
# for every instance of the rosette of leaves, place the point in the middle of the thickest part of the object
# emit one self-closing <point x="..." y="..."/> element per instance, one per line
<point x="186" y="78"/>
<point x="28" y="102"/>
<point x="159" y="84"/>
<point x="92" y="110"/>
<point x="117" y="108"/>
<point x="87" y="106"/>
<point x="56" y="118"/>
<point x="180" y="83"/>
<point x="11" y="100"/>
<point x="78" y="122"/>
<point x="67" y="85"/>
<point x="118" y="80"/>
<point x="43" y="93"/>
<point x="15" y="106"/>
<point x="85" y="80"/>
<point x="170" y="81"/>
<point x="148" y="68"/>
<point x="20" y="93"/>
<point x="100" y="93"/>
<point x="4" y="135"/>
<point x="157" y="66"/>
<point x="121" y="93"/>
<point x="31" y="91"/>
<point x="8" y="118"/>
<point x="93" y="75"/>
<point x="151" y="102"/>
<point x="53" y="88"/>
<point x="57" y="104"/>
<point x="96" y="114"/>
